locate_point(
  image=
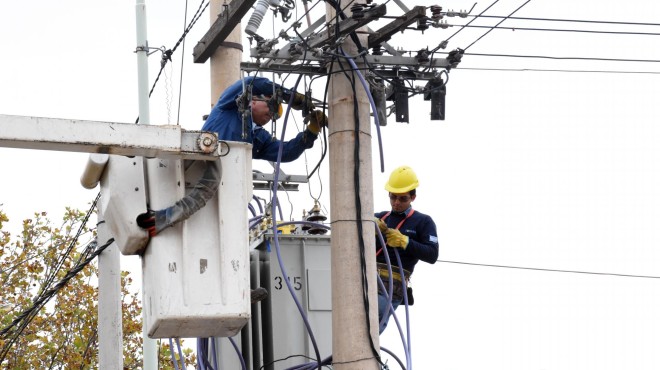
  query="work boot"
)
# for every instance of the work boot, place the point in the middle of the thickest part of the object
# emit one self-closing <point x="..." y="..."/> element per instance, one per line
<point x="258" y="295"/>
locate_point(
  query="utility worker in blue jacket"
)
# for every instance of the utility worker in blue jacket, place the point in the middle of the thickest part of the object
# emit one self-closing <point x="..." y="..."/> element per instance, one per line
<point x="409" y="232"/>
<point x="226" y="118"/>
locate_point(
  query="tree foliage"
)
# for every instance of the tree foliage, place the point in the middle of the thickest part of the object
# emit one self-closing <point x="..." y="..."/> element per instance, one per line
<point x="62" y="333"/>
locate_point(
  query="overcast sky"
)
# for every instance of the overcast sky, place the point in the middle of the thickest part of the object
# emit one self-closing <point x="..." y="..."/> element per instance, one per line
<point x="551" y="170"/>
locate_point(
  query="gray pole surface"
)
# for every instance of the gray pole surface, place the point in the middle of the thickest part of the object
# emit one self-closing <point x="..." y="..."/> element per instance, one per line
<point x="226" y="60"/>
<point x="225" y="63"/>
<point x="149" y="346"/>
<point x="111" y="351"/>
<point x="350" y="339"/>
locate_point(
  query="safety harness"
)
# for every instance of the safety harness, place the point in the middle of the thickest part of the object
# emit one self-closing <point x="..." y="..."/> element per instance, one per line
<point x="382" y="268"/>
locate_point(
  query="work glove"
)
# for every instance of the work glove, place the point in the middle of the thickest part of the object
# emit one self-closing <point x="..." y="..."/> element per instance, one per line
<point x="317" y="119"/>
<point x="147" y="221"/>
<point x="396" y="239"/>
<point x="299" y="101"/>
<point x="381" y="225"/>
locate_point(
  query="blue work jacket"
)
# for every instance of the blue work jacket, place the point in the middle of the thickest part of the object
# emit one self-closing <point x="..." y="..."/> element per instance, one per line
<point x="422" y="239"/>
<point x="225" y="119"/>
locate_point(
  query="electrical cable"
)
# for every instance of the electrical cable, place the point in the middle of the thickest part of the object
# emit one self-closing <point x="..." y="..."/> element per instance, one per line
<point x="388" y="292"/>
<point x="58" y="265"/>
<point x="405" y="301"/>
<point x="174" y="360"/>
<point x="26" y="316"/>
<point x="178" y="346"/>
<point x="183" y="52"/>
<point x="238" y="353"/>
<point x="463" y="27"/>
<point x="45" y="293"/>
<point x="564" y="58"/>
<point x="557" y="70"/>
<point x="358" y="214"/>
<point x="629" y="33"/>
<point x="552" y="270"/>
<point x="215" y="354"/>
<point x="373" y="107"/>
<point x="257" y="199"/>
<point x="572" y="20"/>
<point x="167" y="54"/>
<point x="498" y="23"/>
<point x="202" y="356"/>
<point x="275" y="233"/>
<point x="283" y="359"/>
<point x="325" y="140"/>
<point x="393" y="356"/>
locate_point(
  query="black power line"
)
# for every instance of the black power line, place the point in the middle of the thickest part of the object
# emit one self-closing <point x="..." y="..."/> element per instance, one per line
<point x="492" y="28"/>
<point x="557" y="70"/>
<point x="551" y="270"/>
<point x="564" y="58"/>
<point x="561" y="30"/>
<point x="568" y="20"/>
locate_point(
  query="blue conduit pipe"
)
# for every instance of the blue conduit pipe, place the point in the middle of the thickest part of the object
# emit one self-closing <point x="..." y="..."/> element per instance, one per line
<point x="215" y="355"/>
<point x="174" y="361"/>
<point x="261" y="209"/>
<point x="178" y="346"/>
<point x="404" y="342"/>
<point x="405" y="301"/>
<point x="238" y="352"/>
<point x="275" y="235"/>
<point x="390" y="291"/>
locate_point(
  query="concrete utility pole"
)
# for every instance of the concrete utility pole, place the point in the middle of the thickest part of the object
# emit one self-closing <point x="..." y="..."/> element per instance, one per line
<point x="226" y="60"/>
<point x="225" y="64"/>
<point x="149" y="346"/>
<point x="111" y="350"/>
<point x="351" y="345"/>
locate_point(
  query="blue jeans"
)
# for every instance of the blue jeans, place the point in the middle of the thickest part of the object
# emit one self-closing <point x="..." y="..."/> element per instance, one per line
<point x="397" y="298"/>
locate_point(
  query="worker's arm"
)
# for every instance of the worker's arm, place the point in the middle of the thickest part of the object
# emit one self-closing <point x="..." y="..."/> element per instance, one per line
<point x="266" y="147"/>
<point x="425" y="244"/>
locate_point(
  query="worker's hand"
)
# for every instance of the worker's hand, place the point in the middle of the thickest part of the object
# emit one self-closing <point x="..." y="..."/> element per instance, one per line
<point x="317" y="119"/>
<point x="381" y="225"/>
<point x="147" y="221"/>
<point x="396" y="239"/>
<point x="299" y="101"/>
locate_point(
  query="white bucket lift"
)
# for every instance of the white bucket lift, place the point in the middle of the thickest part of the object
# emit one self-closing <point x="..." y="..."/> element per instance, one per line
<point x="196" y="274"/>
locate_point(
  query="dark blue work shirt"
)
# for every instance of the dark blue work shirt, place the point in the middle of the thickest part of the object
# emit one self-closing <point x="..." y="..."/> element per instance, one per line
<point x="422" y="239"/>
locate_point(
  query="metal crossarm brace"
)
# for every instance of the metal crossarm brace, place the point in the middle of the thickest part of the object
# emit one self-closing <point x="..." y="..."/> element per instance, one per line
<point x="378" y="60"/>
<point x="386" y="32"/>
<point x="221" y="28"/>
<point x="107" y="137"/>
<point x="264" y="181"/>
<point x="347" y="26"/>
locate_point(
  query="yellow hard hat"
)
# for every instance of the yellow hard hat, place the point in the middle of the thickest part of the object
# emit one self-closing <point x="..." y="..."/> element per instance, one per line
<point x="402" y="180"/>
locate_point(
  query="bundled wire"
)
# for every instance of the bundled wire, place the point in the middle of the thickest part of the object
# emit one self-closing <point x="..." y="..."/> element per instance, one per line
<point x="26" y="316"/>
<point x="167" y="54"/>
<point x="275" y="234"/>
<point x="46" y="292"/>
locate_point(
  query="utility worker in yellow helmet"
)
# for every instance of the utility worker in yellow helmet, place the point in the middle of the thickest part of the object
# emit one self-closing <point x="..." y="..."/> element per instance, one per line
<point x="409" y="232"/>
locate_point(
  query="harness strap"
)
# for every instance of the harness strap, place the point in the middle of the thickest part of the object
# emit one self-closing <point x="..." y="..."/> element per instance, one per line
<point x="402" y="221"/>
<point x="397" y="226"/>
